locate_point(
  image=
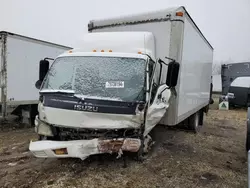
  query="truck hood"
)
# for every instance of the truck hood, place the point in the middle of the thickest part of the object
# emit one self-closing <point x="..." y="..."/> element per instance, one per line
<point x="93" y="114"/>
<point x="67" y="112"/>
<point x="76" y="119"/>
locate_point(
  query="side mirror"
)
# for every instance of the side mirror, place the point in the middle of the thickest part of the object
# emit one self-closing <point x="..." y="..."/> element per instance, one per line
<point x="173" y="73"/>
<point x="43" y="70"/>
<point x="38" y="84"/>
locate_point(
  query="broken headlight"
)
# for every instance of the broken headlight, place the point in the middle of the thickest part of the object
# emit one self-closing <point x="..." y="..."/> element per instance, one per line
<point x="42" y="128"/>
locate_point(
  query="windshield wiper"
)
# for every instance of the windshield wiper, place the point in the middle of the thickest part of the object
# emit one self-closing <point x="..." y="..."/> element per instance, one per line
<point x="70" y="93"/>
<point x="57" y="91"/>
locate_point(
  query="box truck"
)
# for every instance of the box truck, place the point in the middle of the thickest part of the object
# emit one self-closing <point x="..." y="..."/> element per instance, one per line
<point x="19" y="71"/>
<point x="127" y="75"/>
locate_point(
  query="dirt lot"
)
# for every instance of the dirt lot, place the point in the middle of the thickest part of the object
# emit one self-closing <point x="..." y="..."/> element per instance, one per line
<point x="213" y="158"/>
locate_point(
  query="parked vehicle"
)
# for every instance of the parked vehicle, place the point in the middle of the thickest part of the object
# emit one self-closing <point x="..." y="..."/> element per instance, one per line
<point x="235" y="83"/>
<point x="229" y="72"/>
<point x="130" y="74"/>
<point x="19" y="72"/>
<point x="240" y="92"/>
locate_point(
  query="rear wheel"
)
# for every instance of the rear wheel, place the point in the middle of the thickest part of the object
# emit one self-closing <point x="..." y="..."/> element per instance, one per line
<point x="194" y="122"/>
<point x="248" y="141"/>
<point x="231" y="106"/>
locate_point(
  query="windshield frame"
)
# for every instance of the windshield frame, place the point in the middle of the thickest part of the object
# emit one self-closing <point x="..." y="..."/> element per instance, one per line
<point x="145" y="85"/>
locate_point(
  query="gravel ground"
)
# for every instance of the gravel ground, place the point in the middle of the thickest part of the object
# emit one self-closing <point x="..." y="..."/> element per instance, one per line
<point x="215" y="157"/>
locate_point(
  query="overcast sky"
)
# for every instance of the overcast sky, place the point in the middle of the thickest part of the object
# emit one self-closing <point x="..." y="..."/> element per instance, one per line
<point x="225" y="23"/>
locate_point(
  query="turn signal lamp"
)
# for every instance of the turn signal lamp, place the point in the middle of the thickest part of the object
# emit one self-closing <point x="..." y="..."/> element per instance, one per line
<point x="62" y="151"/>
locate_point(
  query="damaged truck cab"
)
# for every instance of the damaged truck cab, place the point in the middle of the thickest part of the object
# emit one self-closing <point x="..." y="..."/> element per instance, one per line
<point x="103" y="97"/>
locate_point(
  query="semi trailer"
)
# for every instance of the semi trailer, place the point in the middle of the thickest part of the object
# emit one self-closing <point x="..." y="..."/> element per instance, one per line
<point x="19" y="72"/>
<point x="127" y="75"/>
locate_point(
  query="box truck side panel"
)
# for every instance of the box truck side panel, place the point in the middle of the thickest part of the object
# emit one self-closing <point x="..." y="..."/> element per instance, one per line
<point x="23" y="56"/>
<point x="160" y="30"/>
<point x="132" y="18"/>
<point x="195" y="72"/>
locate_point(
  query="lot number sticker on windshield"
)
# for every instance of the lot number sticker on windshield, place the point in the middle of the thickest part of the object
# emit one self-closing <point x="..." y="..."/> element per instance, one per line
<point x="114" y="84"/>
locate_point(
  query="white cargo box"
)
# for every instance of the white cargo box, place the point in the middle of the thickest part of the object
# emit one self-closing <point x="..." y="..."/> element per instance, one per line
<point x="19" y="65"/>
<point x="177" y="37"/>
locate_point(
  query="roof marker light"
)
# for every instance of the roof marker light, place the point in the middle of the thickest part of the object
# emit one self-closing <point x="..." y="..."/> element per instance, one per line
<point x="139" y="53"/>
<point x="70" y="51"/>
<point x="110" y="50"/>
<point x="102" y="50"/>
<point x="94" y="50"/>
<point x="179" y="14"/>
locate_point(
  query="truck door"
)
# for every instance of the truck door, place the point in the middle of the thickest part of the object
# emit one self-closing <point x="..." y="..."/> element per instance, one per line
<point x="158" y="98"/>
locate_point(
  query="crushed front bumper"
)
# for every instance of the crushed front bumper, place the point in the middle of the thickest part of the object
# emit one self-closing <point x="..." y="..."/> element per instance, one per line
<point x="83" y="148"/>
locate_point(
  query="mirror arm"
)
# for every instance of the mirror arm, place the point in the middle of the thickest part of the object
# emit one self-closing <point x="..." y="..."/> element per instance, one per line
<point x="159" y="80"/>
<point x="148" y="57"/>
<point x="162" y="92"/>
<point x="162" y="62"/>
<point x="170" y="59"/>
<point x="48" y="58"/>
<point x="174" y="91"/>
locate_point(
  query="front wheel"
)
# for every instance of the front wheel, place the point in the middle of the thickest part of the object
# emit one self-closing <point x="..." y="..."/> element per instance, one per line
<point x="140" y="155"/>
<point x="147" y="143"/>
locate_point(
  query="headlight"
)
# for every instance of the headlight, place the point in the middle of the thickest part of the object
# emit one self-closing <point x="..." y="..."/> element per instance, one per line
<point x="42" y="128"/>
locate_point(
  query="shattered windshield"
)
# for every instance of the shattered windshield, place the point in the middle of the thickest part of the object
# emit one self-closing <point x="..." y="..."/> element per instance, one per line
<point x="116" y="78"/>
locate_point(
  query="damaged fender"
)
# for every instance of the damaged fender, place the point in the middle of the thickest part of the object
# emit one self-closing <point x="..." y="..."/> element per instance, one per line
<point x="157" y="109"/>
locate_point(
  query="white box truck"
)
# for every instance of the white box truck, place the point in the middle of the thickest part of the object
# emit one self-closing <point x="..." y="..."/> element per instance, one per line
<point x="19" y="71"/>
<point x="128" y="75"/>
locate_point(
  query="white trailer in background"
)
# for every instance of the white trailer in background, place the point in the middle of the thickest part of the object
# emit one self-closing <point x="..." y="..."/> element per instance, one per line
<point x="128" y="75"/>
<point x="19" y="72"/>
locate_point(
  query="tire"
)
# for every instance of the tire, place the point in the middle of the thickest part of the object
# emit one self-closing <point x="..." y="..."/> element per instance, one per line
<point x="194" y="122"/>
<point x="140" y="156"/>
<point x="248" y="142"/>
<point x="231" y="106"/>
<point x="33" y="112"/>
